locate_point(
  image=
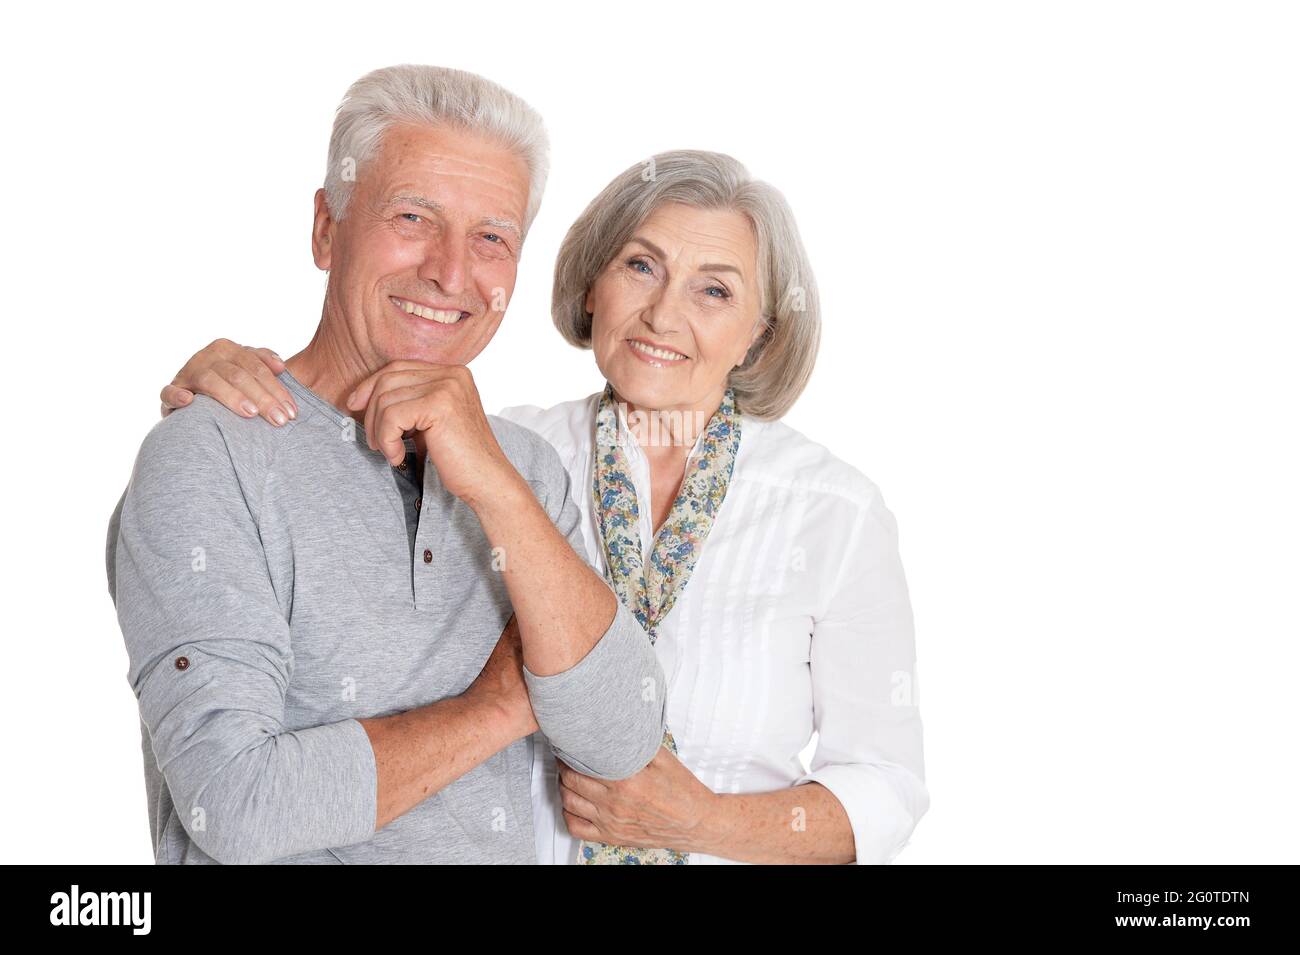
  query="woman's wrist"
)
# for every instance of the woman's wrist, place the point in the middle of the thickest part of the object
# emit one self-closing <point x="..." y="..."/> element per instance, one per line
<point x="715" y="823"/>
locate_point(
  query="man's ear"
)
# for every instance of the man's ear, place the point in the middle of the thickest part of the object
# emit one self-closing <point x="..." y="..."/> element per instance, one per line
<point x="322" y="233"/>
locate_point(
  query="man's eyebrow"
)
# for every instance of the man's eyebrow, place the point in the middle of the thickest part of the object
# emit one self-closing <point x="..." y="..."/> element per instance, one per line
<point x="708" y="267"/>
<point x="420" y="201"/>
<point x="506" y="225"/>
<point x="496" y="222"/>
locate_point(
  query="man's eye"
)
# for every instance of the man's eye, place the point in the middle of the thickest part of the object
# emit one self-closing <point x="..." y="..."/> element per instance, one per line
<point x="410" y="217"/>
<point x="492" y="237"/>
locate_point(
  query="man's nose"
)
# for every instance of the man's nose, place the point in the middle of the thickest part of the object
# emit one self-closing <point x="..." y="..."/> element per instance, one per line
<point x="446" y="263"/>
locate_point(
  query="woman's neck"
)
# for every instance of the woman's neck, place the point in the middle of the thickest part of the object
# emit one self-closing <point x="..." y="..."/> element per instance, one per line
<point x="667" y="435"/>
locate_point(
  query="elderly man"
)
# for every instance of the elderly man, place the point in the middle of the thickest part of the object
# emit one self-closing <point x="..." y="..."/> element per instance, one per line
<point x="340" y="653"/>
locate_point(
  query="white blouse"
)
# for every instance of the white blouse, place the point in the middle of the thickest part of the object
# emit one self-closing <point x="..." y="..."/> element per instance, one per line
<point x="795" y="619"/>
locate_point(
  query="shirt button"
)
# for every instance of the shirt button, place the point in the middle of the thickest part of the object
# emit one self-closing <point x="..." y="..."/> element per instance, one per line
<point x="402" y="466"/>
<point x="428" y="559"/>
<point x="182" y="663"/>
<point x="417" y="503"/>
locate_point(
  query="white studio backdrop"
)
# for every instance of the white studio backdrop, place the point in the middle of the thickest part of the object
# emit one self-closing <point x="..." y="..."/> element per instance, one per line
<point x="1057" y="251"/>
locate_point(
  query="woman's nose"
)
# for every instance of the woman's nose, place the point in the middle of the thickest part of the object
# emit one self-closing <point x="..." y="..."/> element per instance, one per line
<point x="664" y="313"/>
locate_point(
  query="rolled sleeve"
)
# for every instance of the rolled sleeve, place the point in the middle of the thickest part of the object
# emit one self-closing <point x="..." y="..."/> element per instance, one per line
<point x="246" y="789"/>
<point x="605" y="715"/>
<point x="869" y="751"/>
<point x="210" y="660"/>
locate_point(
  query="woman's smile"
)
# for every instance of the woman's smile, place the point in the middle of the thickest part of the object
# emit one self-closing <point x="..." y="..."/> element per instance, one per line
<point x="655" y="355"/>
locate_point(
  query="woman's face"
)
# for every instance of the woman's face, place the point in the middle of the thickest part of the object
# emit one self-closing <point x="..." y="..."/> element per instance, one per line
<point x="677" y="308"/>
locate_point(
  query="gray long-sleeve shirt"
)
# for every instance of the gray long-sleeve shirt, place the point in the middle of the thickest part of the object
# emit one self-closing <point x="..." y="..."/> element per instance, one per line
<point x="275" y="585"/>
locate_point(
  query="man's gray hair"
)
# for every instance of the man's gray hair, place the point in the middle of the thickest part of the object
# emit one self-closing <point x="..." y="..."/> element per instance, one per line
<point x="779" y="364"/>
<point x="432" y="96"/>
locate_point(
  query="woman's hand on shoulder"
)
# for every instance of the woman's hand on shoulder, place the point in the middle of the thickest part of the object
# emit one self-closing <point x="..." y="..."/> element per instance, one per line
<point x="240" y="377"/>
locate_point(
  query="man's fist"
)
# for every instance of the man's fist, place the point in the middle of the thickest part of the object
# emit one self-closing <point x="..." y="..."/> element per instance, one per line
<point x="440" y="401"/>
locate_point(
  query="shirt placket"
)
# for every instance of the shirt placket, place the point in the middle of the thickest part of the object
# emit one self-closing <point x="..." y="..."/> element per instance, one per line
<point x="422" y="554"/>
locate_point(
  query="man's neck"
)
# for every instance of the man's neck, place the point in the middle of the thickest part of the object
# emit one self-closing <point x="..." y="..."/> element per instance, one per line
<point x="331" y="368"/>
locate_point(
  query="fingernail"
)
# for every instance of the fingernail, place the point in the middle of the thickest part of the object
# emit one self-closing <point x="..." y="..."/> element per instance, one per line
<point x="291" y="410"/>
<point x="278" y="416"/>
<point x="249" y="407"/>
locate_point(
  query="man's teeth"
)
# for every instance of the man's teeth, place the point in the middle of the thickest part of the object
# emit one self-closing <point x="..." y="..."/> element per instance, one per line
<point x="657" y="352"/>
<point x="441" y="316"/>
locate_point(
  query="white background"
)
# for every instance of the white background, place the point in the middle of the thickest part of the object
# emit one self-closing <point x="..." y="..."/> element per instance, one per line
<point x="1057" y="247"/>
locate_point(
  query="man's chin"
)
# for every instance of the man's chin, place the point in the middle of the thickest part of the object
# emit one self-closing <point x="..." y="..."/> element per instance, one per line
<point x="435" y="355"/>
<point x="421" y="339"/>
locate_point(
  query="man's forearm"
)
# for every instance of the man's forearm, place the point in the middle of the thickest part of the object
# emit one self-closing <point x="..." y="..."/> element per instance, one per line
<point x="422" y="750"/>
<point x="562" y="605"/>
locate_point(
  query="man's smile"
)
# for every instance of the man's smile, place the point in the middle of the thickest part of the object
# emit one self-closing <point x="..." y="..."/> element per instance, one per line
<point x="440" y="315"/>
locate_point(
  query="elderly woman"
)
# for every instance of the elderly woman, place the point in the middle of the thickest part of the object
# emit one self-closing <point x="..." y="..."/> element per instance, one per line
<point x="764" y="569"/>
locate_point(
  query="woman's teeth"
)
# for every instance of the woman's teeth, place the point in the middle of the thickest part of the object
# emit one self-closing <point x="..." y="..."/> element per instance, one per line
<point x="659" y="353"/>
<point x="442" y="316"/>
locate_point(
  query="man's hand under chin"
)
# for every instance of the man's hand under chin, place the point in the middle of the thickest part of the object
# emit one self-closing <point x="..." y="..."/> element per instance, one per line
<point x="441" y="403"/>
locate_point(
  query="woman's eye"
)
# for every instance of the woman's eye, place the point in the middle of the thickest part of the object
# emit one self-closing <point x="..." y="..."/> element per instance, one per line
<point x="641" y="265"/>
<point x="722" y="292"/>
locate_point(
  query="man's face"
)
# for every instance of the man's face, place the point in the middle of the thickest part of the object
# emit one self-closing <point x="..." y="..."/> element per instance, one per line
<point x="423" y="263"/>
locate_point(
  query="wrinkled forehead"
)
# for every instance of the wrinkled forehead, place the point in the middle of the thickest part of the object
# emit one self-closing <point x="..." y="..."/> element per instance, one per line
<point x="700" y="238"/>
<point x="452" y="169"/>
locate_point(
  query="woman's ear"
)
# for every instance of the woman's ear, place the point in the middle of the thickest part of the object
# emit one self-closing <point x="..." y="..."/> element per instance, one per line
<point x="760" y="327"/>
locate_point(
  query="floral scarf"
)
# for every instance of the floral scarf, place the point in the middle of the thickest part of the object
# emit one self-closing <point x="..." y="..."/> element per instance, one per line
<point x="650" y="592"/>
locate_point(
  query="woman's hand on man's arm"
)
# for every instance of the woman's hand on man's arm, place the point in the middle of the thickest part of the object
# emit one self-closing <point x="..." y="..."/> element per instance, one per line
<point x="666" y="806"/>
<point x="240" y="377"/>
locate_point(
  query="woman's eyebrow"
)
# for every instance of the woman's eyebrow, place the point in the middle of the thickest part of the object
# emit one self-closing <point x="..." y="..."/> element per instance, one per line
<point x="709" y="267"/>
<point x="720" y="267"/>
<point x="649" y="245"/>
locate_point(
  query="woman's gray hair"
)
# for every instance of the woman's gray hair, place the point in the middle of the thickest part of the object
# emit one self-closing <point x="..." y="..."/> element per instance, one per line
<point x="432" y="96"/>
<point x="780" y="362"/>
